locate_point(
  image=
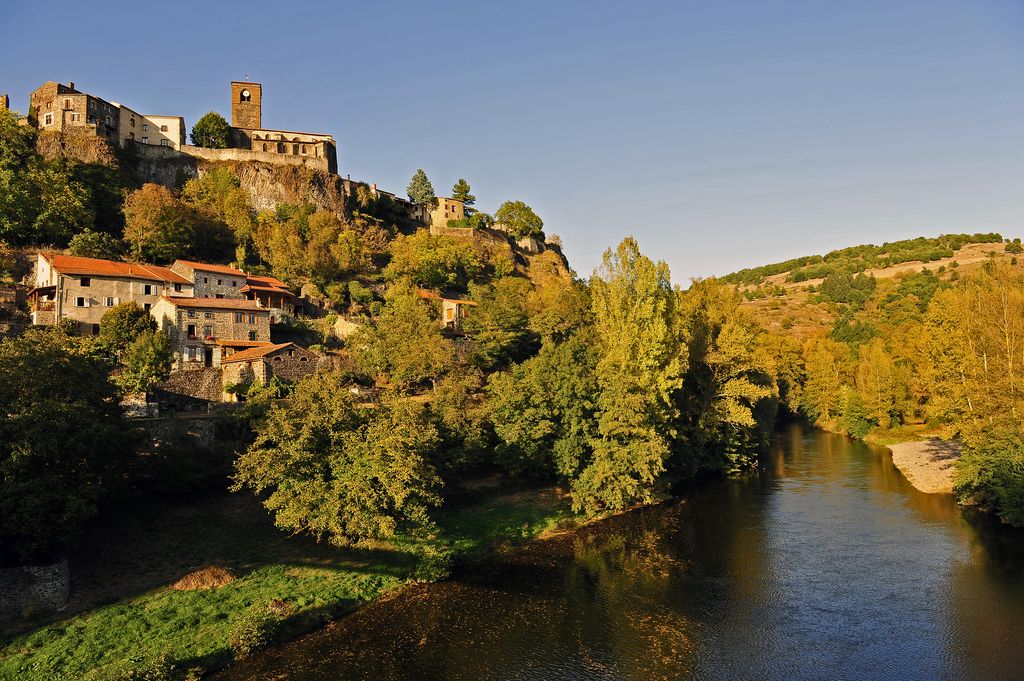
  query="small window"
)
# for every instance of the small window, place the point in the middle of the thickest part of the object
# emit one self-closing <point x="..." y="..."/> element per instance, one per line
<point x="86" y="281"/>
<point x="233" y="283"/>
<point x="75" y="117"/>
<point x="277" y="359"/>
<point x="207" y="330"/>
<point x="252" y="319"/>
<point x="191" y="314"/>
<point x="191" y="331"/>
<point x="80" y="302"/>
<point x="92" y="104"/>
<point x="67" y="103"/>
<point x="108" y="120"/>
<point x="302" y="359"/>
<point x="163" y="128"/>
<point x="110" y="302"/>
<point x="48" y="119"/>
<point x="220" y="282"/>
<point x="208" y="315"/>
<point x="146" y="306"/>
<point x="238" y="317"/>
<point x="192" y="354"/>
<point x="252" y="335"/>
<point x="291" y="353"/>
<point x="145" y="140"/>
<point x="244" y="96"/>
<point x="177" y="288"/>
<point x="147" y="289"/>
<point x="131" y="121"/>
<point x="145" y="128"/>
<point x="219" y="295"/>
<point x="206" y="280"/>
<point x="163" y="143"/>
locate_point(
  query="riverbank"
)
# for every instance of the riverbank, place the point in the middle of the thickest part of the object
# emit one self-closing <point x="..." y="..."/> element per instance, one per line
<point x="927" y="464"/>
<point x="125" y="617"/>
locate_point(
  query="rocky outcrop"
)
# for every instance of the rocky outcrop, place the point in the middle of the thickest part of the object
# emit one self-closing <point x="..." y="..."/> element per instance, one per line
<point x="269" y="185"/>
<point x="76" y="145"/>
<point x="27" y="589"/>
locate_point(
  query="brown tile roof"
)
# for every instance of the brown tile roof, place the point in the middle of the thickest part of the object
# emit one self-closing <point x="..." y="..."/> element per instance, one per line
<point x="73" y="264"/>
<point x="430" y="295"/>
<point x="256" y="353"/>
<point x="206" y="267"/>
<point x="228" y="343"/>
<point x="217" y="304"/>
<point x="254" y="280"/>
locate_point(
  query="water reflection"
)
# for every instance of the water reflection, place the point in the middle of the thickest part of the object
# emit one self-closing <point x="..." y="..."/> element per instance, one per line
<point x="824" y="564"/>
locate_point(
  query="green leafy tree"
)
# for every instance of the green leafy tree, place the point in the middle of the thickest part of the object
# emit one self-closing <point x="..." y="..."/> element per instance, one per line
<point x="500" y="323"/>
<point x="439" y="262"/>
<point x="211" y="131"/>
<point x="461" y="191"/>
<point x="122" y="324"/>
<point x="161" y="228"/>
<point x="147" y="361"/>
<point x="640" y="367"/>
<point x="340" y="472"/>
<point x="420" y="191"/>
<point x="64" y="205"/>
<point x="825" y="373"/>
<point x="519" y="220"/>
<point x="90" y="244"/>
<point x="63" y="441"/>
<point x="404" y="346"/>
<point x="19" y="199"/>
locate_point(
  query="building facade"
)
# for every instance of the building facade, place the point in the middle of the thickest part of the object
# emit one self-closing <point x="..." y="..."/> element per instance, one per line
<point x="56" y="107"/>
<point x="83" y="289"/>
<point x="286" y="361"/>
<point x="212" y="281"/>
<point x="204" y="331"/>
<point x="445" y="209"/>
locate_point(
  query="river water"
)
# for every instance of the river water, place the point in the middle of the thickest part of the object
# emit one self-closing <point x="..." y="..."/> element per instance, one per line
<point x="825" y="564"/>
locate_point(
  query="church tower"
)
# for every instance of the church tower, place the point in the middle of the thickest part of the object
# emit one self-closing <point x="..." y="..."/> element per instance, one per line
<point x="246" y="105"/>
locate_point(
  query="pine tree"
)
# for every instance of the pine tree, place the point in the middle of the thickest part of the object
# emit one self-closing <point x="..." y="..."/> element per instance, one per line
<point x="461" y="192"/>
<point x="421" y="192"/>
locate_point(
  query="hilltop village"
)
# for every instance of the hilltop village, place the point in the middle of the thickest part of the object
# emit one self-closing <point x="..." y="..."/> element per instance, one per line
<point x="227" y="327"/>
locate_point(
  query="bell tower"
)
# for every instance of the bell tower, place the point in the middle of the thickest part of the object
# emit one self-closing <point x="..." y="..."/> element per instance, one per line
<point x="246" y="105"/>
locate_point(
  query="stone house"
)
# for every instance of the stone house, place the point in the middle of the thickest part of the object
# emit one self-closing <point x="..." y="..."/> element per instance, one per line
<point x="164" y="131"/>
<point x="453" y="310"/>
<point x="83" y="289"/>
<point x="286" y="361"/>
<point x="272" y="293"/>
<point x="212" y="281"/>
<point x="204" y="331"/>
<point x="443" y="210"/>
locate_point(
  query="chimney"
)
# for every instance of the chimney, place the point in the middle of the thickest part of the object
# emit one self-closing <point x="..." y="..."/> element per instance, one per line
<point x="71" y="84"/>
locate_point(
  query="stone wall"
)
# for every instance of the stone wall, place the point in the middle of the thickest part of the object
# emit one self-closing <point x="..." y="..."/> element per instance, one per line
<point x="30" y="588"/>
<point x="190" y="390"/>
<point x="244" y="155"/>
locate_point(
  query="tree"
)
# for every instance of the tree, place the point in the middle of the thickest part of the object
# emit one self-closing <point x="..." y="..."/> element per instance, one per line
<point x="18" y="195"/>
<point x="63" y="204"/>
<point x="122" y="324"/>
<point x="147" y="361"/>
<point x="460" y="192"/>
<point x="218" y="192"/>
<point x="340" y="472"/>
<point x="500" y="323"/>
<point x="434" y="261"/>
<point x="640" y="367"/>
<point x="90" y="244"/>
<point x="519" y="220"/>
<point x="63" y="442"/>
<point x="882" y="384"/>
<point x="824" y="367"/>
<point x="404" y="345"/>
<point x="211" y="131"/>
<point x="161" y="228"/>
<point x="421" y="192"/>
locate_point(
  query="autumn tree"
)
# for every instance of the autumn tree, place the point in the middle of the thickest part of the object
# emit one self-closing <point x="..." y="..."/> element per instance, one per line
<point x="159" y="227"/>
<point x="519" y="220"/>
<point x="434" y="261"/>
<point x="341" y="472"/>
<point x="90" y="244"/>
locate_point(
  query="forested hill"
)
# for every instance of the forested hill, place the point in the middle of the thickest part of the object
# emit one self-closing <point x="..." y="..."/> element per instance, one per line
<point x="856" y="259"/>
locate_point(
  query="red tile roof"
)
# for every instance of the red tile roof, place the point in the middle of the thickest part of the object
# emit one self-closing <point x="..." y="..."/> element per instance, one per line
<point x="266" y="284"/>
<point x="256" y="353"/>
<point x="206" y="267"/>
<point x="228" y="343"/>
<point x="217" y="304"/>
<point x="73" y="264"/>
<point x="428" y="295"/>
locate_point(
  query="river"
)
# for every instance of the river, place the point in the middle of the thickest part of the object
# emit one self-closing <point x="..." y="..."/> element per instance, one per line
<point x="825" y="564"/>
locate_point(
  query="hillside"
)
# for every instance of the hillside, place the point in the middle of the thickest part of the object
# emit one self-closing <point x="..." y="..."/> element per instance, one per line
<point x="786" y="296"/>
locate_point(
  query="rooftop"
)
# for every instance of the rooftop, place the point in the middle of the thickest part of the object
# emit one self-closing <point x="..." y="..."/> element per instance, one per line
<point x="217" y="304"/>
<point x="206" y="267"/>
<point x="73" y="264"/>
<point x="257" y="353"/>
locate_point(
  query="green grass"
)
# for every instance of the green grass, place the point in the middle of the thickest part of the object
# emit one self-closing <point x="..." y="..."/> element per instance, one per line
<point x="126" y="609"/>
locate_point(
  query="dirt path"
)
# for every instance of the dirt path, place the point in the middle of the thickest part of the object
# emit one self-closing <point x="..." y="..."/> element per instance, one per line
<point x="927" y="464"/>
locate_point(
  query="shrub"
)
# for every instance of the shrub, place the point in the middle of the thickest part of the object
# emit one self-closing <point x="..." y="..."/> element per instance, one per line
<point x="992" y="475"/>
<point x="254" y="630"/>
<point x="434" y="562"/>
<point x="136" y="668"/>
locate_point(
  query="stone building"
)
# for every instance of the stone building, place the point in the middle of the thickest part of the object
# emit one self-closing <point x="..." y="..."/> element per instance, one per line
<point x="212" y="281"/>
<point x="163" y="131"/>
<point x="272" y="293"/>
<point x="83" y="289"/>
<point x="453" y="311"/>
<point x="247" y="131"/>
<point x="445" y="209"/>
<point x="286" y="361"/>
<point x="204" y="331"/>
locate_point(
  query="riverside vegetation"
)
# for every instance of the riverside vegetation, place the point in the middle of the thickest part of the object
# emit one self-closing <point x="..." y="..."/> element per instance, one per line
<point x="585" y="397"/>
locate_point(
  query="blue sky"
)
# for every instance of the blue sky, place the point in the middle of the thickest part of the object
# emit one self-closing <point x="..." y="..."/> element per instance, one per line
<point x="720" y="134"/>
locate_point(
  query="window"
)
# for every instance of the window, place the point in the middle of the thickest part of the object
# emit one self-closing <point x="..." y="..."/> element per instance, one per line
<point x="145" y="140"/>
<point x="131" y="121"/>
<point x="111" y="302"/>
<point x="145" y="127"/>
<point x="86" y="281"/>
<point x="131" y="135"/>
<point x="220" y="282"/>
<point x="92" y="104"/>
<point x="219" y="295"/>
<point x="48" y="119"/>
<point x="146" y="306"/>
<point x="147" y="289"/>
<point x="238" y="317"/>
<point x="207" y="330"/>
<point x="232" y="284"/>
<point x="291" y="353"/>
<point x="191" y="314"/>
<point x="208" y="315"/>
<point x="302" y="359"/>
<point x="206" y="280"/>
<point x="163" y="128"/>
<point x="67" y="103"/>
<point x="163" y="143"/>
<point x="245" y="96"/>
<point x="75" y="117"/>
<point x="277" y="359"/>
<point x="192" y="354"/>
<point x="191" y="330"/>
<point x="252" y="335"/>
<point x="252" y="319"/>
<point x="108" y="120"/>
<point x="80" y="302"/>
<point x="95" y="329"/>
<point x="177" y="288"/>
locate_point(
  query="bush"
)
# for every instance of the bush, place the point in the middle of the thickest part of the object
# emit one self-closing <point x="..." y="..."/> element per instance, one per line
<point x="992" y="475"/>
<point x="136" y="668"/>
<point x="434" y="562"/>
<point x="256" y="629"/>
